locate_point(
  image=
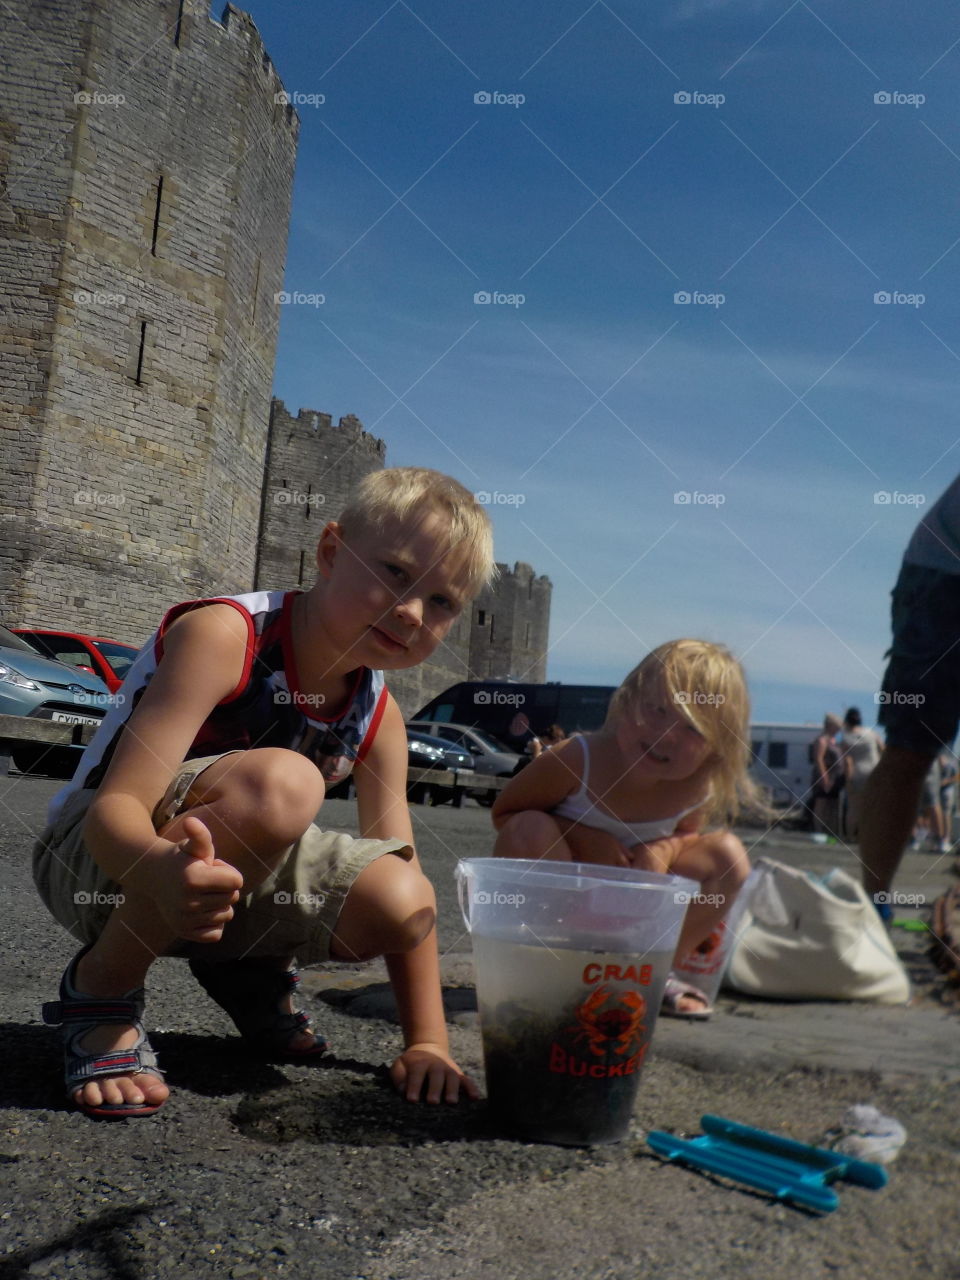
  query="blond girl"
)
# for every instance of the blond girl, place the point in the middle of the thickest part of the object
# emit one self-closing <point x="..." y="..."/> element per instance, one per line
<point x="653" y="789"/>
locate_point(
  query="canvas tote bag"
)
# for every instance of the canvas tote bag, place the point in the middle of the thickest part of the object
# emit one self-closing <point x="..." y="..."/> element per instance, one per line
<point x="808" y="938"/>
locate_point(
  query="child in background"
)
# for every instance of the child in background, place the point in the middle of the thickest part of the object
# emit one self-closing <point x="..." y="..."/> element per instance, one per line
<point x="188" y="828"/>
<point x="670" y="761"/>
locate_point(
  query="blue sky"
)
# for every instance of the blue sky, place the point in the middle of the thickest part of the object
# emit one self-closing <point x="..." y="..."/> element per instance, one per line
<point x="781" y="186"/>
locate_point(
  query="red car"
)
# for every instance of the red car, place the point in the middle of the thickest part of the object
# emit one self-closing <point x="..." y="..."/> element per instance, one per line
<point x="108" y="659"/>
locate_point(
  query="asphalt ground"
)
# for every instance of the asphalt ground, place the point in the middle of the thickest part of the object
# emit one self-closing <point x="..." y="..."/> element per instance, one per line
<point x="260" y="1171"/>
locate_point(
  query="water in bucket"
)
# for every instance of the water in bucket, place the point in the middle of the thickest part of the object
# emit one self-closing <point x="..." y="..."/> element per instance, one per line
<point x="571" y="961"/>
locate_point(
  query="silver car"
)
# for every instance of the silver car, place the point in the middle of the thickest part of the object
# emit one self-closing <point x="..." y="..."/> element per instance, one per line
<point x="42" y="689"/>
<point x="489" y="755"/>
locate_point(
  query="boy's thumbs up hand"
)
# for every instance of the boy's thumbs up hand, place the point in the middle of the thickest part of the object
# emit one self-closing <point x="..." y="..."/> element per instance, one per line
<point x="198" y="841"/>
<point x="198" y="898"/>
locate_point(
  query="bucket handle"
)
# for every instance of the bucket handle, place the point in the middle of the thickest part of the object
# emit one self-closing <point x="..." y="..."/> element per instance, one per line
<point x="461" y="891"/>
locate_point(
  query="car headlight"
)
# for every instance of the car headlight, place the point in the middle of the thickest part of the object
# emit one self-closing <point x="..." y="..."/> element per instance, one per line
<point x="10" y="676"/>
<point x="422" y="748"/>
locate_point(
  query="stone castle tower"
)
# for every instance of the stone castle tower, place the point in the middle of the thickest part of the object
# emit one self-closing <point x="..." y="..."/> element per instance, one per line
<point x="311" y="467"/>
<point x="146" y="166"/>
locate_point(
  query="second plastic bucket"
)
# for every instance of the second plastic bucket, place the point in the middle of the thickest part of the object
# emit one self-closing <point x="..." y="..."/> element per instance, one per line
<point x="571" y="960"/>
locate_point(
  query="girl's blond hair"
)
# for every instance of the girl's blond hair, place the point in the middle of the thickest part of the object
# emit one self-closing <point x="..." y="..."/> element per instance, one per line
<point x="406" y="494"/>
<point x="707" y="684"/>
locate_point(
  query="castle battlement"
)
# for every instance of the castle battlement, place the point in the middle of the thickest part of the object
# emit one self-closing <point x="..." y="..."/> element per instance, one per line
<point x="237" y="25"/>
<point x="312" y="426"/>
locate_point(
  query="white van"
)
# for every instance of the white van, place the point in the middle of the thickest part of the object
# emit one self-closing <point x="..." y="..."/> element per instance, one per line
<point x="781" y="760"/>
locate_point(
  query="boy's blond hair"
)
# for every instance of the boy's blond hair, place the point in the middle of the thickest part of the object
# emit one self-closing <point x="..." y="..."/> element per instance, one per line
<point x="707" y="684"/>
<point x="406" y="494"/>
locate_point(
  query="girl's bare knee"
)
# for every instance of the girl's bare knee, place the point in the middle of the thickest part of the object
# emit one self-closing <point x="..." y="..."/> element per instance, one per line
<point x="731" y="864"/>
<point x="525" y="832"/>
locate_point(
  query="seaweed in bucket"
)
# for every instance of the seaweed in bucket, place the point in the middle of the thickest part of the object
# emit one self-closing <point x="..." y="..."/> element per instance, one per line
<point x="568" y="1072"/>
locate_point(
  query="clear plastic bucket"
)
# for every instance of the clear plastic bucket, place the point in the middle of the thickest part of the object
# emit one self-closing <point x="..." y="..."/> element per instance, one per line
<point x="705" y="966"/>
<point x="571" y="960"/>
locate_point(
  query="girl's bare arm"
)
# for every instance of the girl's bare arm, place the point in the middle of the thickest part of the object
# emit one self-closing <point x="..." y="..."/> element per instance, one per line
<point x="542" y="785"/>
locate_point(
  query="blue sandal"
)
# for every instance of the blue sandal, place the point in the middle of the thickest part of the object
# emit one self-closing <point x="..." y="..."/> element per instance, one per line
<point x="250" y="990"/>
<point x="78" y="1014"/>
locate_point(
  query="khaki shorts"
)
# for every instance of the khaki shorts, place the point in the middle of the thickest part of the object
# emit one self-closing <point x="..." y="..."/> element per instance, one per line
<point x="293" y="913"/>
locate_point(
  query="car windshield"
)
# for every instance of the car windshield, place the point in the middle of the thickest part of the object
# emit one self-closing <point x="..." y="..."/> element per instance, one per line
<point x="490" y="743"/>
<point x="119" y="656"/>
<point x="9" y="641"/>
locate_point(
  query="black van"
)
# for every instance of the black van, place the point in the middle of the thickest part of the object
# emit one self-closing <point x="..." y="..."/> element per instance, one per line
<point x="492" y="705"/>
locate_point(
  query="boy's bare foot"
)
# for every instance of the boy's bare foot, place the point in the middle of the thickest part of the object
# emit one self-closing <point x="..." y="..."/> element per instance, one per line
<point x="130" y="1089"/>
<point x="258" y="992"/>
<point x="135" y="1089"/>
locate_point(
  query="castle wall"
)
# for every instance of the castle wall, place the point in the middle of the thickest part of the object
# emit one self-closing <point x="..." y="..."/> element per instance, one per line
<point x="312" y="466"/>
<point x="509" y="632"/>
<point x="140" y="251"/>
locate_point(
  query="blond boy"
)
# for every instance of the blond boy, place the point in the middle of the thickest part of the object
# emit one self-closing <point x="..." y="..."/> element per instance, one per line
<point x="188" y="828"/>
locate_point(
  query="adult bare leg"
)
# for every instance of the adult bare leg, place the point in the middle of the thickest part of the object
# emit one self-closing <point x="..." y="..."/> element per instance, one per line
<point x="888" y="811"/>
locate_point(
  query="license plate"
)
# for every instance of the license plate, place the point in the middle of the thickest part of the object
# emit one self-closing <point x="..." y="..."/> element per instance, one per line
<point x="63" y="717"/>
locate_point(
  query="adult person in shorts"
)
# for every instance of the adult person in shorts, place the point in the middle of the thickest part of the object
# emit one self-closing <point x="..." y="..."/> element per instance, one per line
<point x="920" y="697"/>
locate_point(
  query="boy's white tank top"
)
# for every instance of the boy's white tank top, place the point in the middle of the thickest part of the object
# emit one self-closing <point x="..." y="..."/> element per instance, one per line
<point x="267" y="708"/>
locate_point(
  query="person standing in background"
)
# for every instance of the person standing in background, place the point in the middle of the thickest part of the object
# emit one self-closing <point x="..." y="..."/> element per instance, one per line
<point x="861" y="754"/>
<point x="827" y="780"/>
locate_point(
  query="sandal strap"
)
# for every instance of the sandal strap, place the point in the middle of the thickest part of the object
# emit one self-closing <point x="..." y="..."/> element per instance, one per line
<point x="90" y="1009"/>
<point x="82" y="1067"/>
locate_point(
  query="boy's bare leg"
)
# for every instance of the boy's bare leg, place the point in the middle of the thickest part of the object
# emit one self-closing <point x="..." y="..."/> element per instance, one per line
<point x="391" y="908"/>
<point x="254" y="805"/>
<point x="888" y="811"/>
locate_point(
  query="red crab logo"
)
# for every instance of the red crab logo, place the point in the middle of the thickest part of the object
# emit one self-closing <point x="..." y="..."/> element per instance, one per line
<point x="620" y="1022"/>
